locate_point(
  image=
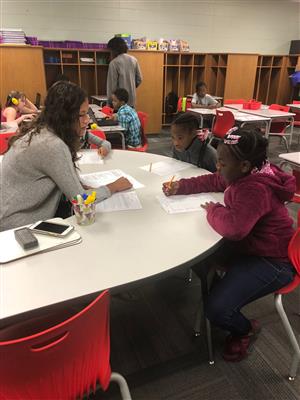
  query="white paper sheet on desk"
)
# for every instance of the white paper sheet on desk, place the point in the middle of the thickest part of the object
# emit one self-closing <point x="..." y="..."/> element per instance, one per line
<point x="120" y="202"/>
<point x="101" y="178"/>
<point x="184" y="203"/>
<point x="163" y="168"/>
<point x="89" y="157"/>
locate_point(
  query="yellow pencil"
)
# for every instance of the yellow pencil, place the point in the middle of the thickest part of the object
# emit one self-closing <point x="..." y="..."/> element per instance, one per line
<point x="170" y="183"/>
<point x="150" y="167"/>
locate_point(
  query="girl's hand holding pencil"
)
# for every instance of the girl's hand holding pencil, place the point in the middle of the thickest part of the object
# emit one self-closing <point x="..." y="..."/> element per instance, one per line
<point x="170" y="188"/>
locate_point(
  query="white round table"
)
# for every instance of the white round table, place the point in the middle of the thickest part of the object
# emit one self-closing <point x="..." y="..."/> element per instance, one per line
<point x="120" y="248"/>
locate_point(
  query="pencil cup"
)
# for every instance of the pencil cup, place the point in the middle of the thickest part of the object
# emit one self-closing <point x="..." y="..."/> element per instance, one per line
<point x="85" y="213"/>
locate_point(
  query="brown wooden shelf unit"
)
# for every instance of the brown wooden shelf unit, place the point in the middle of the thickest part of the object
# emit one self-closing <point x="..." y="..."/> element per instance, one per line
<point x="228" y="75"/>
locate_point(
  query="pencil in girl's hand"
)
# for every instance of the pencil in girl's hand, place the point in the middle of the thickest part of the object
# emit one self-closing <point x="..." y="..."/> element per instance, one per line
<point x="171" y="181"/>
<point x="150" y="167"/>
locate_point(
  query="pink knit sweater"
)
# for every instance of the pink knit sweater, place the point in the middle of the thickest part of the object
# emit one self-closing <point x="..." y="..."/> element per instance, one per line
<point x="254" y="213"/>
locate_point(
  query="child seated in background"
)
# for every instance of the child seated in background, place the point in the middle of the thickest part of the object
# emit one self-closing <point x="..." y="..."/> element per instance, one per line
<point x="190" y="145"/>
<point x="18" y="108"/>
<point x="127" y="118"/>
<point x="203" y="100"/>
<point x="256" y="222"/>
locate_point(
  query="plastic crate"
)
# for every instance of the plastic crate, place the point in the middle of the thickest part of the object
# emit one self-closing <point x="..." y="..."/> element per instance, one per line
<point x="252" y="105"/>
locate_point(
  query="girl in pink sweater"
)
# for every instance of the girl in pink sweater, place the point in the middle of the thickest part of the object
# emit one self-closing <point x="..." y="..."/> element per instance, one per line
<point x="256" y="220"/>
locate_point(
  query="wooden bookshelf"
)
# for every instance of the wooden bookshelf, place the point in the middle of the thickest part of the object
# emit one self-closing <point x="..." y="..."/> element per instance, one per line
<point x="182" y="71"/>
<point x="263" y="77"/>
<point x="272" y="82"/>
<point x="90" y="76"/>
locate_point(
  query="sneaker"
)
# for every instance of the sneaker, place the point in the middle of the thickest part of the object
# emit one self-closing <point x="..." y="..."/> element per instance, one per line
<point x="239" y="347"/>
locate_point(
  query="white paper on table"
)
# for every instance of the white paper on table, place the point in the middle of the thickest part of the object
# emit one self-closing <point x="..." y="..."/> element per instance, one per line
<point x="1" y="158"/>
<point x="90" y="157"/>
<point x="101" y="178"/>
<point x="184" y="203"/>
<point x="163" y="168"/>
<point x="120" y="202"/>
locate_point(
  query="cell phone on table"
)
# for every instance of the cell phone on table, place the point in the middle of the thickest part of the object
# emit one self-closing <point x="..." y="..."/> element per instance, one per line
<point x="52" y="228"/>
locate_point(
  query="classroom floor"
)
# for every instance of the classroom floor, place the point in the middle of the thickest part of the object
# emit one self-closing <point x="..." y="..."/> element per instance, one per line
<point x="153" y="346"/>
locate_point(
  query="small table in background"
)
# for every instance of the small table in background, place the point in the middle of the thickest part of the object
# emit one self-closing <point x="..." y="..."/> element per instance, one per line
<point x="266" y="112"/>
<point x="99" y="99"/>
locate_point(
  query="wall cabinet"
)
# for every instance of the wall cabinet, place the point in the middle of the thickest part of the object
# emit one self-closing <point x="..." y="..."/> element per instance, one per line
<point x="263" y="77"/>
<point x="22" y="68"/>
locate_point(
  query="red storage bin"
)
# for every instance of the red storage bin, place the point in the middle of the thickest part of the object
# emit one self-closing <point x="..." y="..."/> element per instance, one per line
<point x="252" y="105"/>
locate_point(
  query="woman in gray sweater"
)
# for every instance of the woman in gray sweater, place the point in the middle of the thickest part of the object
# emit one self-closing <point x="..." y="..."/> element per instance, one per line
<point x="39" y="166"/>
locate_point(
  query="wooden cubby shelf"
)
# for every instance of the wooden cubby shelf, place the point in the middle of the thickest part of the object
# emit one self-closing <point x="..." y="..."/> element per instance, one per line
<point x="228" y="75"/>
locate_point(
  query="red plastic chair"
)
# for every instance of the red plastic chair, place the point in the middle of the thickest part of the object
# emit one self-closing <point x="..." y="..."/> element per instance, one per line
<point x="297" y="118"/>
<point x="63" y="362"/>
<point x="107" y="110"/>
<point x="296" y="198"/>
<point x="279" y="127"/>
<point x="4" y="138"/>
<point x="100" y="134"/>
<point x="223" y="122"/>
<point x="294" y="255"/>
<point x="143" y="117"/>
<point x="238" y="101"/>
<point x="279" y="107"/>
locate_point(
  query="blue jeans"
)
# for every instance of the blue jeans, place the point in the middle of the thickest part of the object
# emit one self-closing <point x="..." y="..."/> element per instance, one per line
<point x="248" y="278"/>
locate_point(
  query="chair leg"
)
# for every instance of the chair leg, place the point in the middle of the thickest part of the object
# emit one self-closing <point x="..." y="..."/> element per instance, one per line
<point x="197" y="324"/>
<point x="286" y="143"/>
<point x="121" y="381"/>
<point x="203" y="275"/>
<point x="209" y="342"/>
<point x="291" y="335"/>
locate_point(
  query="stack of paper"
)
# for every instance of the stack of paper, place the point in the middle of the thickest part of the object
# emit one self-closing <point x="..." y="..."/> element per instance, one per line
<point x="165" y="168"/>
<point x="184" y="203"/>
<point x="97" y="179"/>
<point x="127" y="200"/>
<point x="12" y="36"/>
<point x="120" y="202"/>
<point x="89" y="157"/>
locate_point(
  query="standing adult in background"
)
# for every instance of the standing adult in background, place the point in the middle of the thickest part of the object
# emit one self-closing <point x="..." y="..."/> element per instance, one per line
<point x="123" y="71"/>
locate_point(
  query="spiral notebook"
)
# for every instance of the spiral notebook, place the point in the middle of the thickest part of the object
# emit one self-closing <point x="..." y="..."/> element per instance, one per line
<point x="11" y="250"/>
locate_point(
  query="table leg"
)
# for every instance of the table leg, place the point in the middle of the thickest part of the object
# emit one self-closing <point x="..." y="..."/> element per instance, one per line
<point x="123" y="140"/>
<point x="292" y="130"/>
<point x="202" y="273"/>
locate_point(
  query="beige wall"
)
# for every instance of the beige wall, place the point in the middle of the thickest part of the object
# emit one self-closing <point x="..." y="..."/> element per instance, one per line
<point x="210" y="26"/>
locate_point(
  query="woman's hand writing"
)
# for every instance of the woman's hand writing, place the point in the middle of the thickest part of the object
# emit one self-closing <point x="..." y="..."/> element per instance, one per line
<point x="103" y="151"/>
<point x="119" y="185"/>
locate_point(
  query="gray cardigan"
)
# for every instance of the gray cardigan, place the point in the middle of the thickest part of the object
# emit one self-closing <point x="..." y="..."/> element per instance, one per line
<point x="124" y="72"/>
<point x="33" y="178"/>
<point x="89" y="138"/>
